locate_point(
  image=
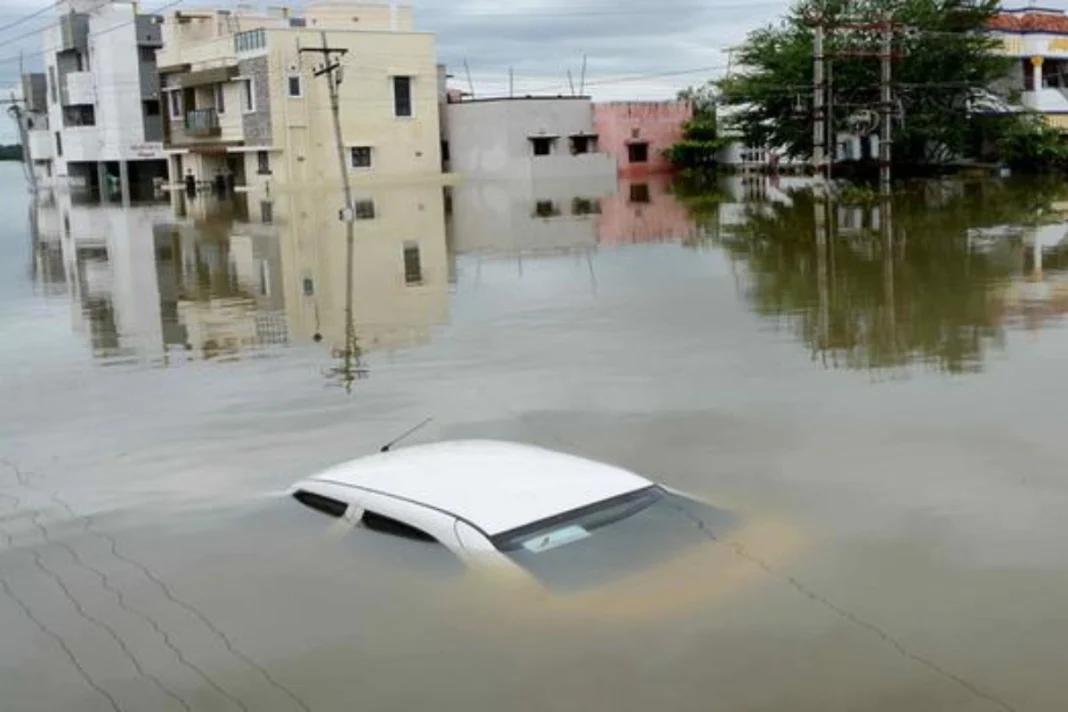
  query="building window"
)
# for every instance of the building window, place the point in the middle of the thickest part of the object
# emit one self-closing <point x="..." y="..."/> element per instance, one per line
<point x="402" y="96"/>
<point x="413" y="266"/>
<point x="151" y="107"/>
<point x="293" y="86"/>
<point x="80" y="115"/>
<point x="52" y="84"/>
<point x="263" y="163"/>
<point x="639" y="193"/>
<point x="364" y="209"/>
<point x="59" y="144"/>
<point x="309" y="287"/>
<point x="638" y="152"/>
<point x="543" y="145"/>
<point x="248" y="97"/>
<point x="583" y="144"/>
<point x="147" y="55"/>
<point x="444" y="150"/>
<point x="175" y="100"/>
<point x="266" y="211"/>
<point x="361" y="156"/>
<point x="220" y="98"/>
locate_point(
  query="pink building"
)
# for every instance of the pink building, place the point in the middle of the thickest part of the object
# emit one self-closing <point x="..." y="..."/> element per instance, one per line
<point x="638" y="132"/>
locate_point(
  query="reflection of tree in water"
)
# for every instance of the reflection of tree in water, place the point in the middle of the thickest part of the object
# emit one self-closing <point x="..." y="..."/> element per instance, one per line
<point x="864" y="295"/>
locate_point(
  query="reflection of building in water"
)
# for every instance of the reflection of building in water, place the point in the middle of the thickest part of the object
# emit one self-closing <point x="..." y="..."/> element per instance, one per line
<point x="526" y="217"/>
<point x="1038" y="292"/>
<point x="108" y="266"/>
<point x="644" y="211"/>
<point x="46" y="229"/>
<point x="220" y="286"/>
<point x="399" y="277"/>
<point x="145" y="288"/>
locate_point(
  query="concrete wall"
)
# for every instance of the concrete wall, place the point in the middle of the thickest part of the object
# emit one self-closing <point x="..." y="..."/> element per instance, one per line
<point x="659" y="124"/>
<point x="492" y="138"/>
<point x="402" y="147"/>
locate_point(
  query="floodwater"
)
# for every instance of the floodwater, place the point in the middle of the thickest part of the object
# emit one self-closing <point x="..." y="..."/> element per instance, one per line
<point x="876" y="391"/>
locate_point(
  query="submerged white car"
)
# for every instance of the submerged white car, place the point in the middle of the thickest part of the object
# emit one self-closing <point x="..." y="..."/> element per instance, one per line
<point x="570" y="523"/>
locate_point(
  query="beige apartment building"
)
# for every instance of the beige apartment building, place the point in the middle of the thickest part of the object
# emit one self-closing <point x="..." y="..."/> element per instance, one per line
<point x="241" y="100"/>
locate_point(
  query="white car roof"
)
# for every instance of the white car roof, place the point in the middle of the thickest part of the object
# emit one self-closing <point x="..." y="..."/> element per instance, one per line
<point x="496" y="486"/>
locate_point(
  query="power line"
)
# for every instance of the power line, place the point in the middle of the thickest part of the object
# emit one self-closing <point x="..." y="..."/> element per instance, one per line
<point x="19" y="58"/>
<point x="32" y="15"/>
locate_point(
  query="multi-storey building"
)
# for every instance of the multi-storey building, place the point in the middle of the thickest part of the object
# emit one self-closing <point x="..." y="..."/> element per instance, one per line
<point x="245" y="107"/>
<point x="94" y="115"/>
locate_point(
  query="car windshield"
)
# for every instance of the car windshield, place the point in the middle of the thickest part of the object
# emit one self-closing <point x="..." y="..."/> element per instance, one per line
<point x="606" y="541"/>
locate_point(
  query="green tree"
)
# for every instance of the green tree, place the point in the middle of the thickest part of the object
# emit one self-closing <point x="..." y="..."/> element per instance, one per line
<point x="11" y="153"/>
<point x="699" y="145"/>
<point x="942" y="58"/>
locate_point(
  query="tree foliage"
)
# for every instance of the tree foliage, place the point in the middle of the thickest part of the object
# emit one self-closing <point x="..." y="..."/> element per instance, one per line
<point x="942" y="58"/>
<point x="699" y="145"/>
<point x="11" y="153"/>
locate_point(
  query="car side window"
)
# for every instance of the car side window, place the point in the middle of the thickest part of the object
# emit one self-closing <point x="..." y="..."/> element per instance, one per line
<point x="387" y="525"/>
<point x="321" y="503"/>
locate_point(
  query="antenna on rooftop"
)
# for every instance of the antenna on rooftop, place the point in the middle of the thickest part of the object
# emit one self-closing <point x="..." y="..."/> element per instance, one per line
<point x="470" y="84"/>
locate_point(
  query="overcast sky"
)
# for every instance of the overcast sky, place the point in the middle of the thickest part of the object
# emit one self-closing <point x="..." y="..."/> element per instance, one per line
<point x="681" y="41"/>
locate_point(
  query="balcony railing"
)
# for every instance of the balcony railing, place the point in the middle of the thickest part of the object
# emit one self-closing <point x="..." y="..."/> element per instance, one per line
<point x="202" y="123"/>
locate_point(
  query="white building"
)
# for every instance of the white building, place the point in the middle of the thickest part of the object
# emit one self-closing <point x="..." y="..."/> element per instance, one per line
<point x="101" y="95"/>
<point x="527" y="138"/>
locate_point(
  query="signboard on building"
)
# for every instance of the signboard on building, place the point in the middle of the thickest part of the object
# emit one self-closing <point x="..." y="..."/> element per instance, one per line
<point x="148" y="151"/>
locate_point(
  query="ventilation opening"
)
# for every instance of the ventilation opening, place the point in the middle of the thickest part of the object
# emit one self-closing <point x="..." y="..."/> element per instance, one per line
<point x="386" y="525"/>
<point x="326" y="505"/>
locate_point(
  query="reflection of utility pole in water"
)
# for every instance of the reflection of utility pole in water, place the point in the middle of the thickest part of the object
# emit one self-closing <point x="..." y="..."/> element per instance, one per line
<point x="886" y="228"/>
<point x="821" y="204"/>
<point x="331" y="68"/>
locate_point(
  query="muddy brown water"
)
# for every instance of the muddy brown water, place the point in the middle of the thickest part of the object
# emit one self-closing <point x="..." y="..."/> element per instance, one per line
<point x="877" y="393"/>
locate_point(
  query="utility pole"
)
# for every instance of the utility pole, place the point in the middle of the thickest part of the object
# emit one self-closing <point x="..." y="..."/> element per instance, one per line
<point x="332" y="70"/>
<point x="885" y="105"/>
<point x="818" y="131"/>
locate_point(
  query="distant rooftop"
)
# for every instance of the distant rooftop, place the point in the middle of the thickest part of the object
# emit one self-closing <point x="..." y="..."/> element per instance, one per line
<point x="1031" y="20"/>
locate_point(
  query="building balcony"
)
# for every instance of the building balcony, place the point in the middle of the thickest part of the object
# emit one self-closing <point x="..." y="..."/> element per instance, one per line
<point x="80" y="89"/>
<point x="202" y="123"/>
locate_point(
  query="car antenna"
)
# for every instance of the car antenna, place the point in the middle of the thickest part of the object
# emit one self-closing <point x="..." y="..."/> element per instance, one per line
<point x="406" y="433"/>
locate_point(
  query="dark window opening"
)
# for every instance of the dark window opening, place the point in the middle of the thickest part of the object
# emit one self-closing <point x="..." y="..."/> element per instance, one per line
<point x="638" y="152"/>
<point x="295" y="90"/>
<point x="266" y="211"/>
<point x="309" y="286"/>
<point x="413" y="266"/>
<point x="639" y="193"/>
<point x="326" y="505"/>
<point x="387" y="525"/>
<point x="444" y="150"/>
<point x="147" y="55"/>
<point x="52" y="84"/>
<point x="59" y="144"/>
<point x="263" y="163"/>
<point x="364" y="209"/>
<point x="402" y="96"/>
<point x="361" y="156"/>
<point x="543" y="145"/>
<point x="80" y="115"/>
<point x="151" y="107"/>
<point x="583" y="144"/>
